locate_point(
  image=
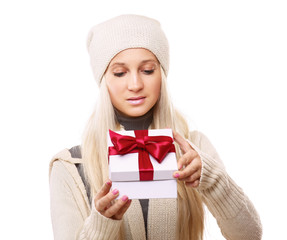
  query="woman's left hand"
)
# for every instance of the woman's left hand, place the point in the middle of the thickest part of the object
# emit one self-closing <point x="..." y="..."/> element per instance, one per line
<point x="189" y="165"/>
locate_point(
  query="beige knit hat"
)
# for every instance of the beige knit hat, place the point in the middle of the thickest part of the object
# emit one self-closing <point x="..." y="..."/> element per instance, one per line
<point x="107" y="39"/>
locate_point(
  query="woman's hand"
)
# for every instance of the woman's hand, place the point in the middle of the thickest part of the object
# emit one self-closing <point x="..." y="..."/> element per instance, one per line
<point x="104" y="202"/>
<point x="189" y="165"/>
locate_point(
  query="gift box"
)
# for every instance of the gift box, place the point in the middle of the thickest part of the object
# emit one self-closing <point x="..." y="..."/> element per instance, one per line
<point x="142" y="163"/>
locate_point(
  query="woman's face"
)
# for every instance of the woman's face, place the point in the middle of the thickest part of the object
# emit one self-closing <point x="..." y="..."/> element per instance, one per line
<point x="134" y="80"/>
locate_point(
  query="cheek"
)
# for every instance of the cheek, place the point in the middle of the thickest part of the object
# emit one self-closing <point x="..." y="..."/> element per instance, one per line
<point x="157" y="88"/>
<point x="113" y="85"/>
<point x="114" y="95"/>
<point x="113" y="91"/>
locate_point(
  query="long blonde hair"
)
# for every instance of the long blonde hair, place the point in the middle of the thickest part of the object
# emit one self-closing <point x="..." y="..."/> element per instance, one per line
<point x="190" y="221"/>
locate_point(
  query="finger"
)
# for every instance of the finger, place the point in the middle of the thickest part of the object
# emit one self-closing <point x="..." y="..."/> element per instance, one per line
<point x="193" y="184"/>
<point x="183" y="144"/>
<point x="116" y="207"/>
<point x="104" y="189"/>
<point x="193" y="177"/>
<point x="186" y="158"/>
<point x="187" y="172"/>
<point x="123" y="210"/>
<point x="104" y="203"/>
<point x="194" y="166"/>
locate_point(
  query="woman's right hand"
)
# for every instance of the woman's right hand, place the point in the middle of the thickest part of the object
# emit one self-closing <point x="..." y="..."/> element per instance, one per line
<point x="104" y="202"/>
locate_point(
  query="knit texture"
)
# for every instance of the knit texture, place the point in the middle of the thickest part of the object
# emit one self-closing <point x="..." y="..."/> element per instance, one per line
<point x="107" y="39"/>
<point x="73" y="218"/>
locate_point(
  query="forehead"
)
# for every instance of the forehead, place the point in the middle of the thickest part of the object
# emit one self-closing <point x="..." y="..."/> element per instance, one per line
<point x="134" y="55"/>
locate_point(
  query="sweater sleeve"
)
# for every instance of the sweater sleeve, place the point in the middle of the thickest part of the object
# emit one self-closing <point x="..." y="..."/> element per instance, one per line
<point x="234" y="212"/>
<point x="69" y="221"/>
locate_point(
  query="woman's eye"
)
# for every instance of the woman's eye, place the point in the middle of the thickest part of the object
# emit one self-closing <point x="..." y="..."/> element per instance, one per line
<point x="148" y="72"/>
<point x="119" y="74"/>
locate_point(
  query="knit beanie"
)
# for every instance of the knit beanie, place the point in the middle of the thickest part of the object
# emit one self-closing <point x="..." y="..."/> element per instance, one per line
<point x="107" y="39"/>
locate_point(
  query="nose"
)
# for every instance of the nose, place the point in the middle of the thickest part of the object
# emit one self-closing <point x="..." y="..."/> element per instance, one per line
<point x="135" y="83"/>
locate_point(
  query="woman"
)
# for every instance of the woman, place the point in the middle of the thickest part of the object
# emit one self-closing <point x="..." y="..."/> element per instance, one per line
<point x="130" y="60"/>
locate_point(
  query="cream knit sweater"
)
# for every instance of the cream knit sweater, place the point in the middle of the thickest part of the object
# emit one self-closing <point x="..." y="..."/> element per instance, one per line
<point x="74" y="218"/>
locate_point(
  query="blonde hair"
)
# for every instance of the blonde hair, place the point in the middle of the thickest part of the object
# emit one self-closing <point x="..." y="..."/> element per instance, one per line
<point x="190" y="221"/>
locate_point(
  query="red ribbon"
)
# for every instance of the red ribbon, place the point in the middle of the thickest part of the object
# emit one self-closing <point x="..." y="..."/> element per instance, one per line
<point x="157" y="146"/>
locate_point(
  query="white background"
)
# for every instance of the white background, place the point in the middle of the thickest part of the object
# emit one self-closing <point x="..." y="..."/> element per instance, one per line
<point x="227" y="74"/>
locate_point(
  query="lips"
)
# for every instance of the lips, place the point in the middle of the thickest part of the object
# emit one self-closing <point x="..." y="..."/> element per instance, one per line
<point x="136" y="100"/>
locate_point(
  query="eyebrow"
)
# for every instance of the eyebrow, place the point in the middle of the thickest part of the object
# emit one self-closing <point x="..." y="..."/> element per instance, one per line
<point x="142" y="62"/>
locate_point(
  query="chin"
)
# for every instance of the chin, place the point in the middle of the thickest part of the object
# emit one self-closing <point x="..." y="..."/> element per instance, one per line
<point x="136" y="113"/>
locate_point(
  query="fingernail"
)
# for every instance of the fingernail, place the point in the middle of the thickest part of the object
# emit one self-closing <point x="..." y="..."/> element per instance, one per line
<point x="125" y="198"/>
<point x="115" y="191"/>
<point x="176" y="175"/>
<point x="109" y="183"/>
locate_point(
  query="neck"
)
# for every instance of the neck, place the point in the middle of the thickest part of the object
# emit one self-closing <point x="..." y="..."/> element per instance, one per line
<point x="135" y="123"/>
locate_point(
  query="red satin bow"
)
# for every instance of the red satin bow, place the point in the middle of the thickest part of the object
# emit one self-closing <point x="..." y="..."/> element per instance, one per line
<point x="157" y="146"/>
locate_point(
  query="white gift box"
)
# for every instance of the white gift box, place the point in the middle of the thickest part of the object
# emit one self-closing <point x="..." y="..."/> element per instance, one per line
<point x="125" y="175"/>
